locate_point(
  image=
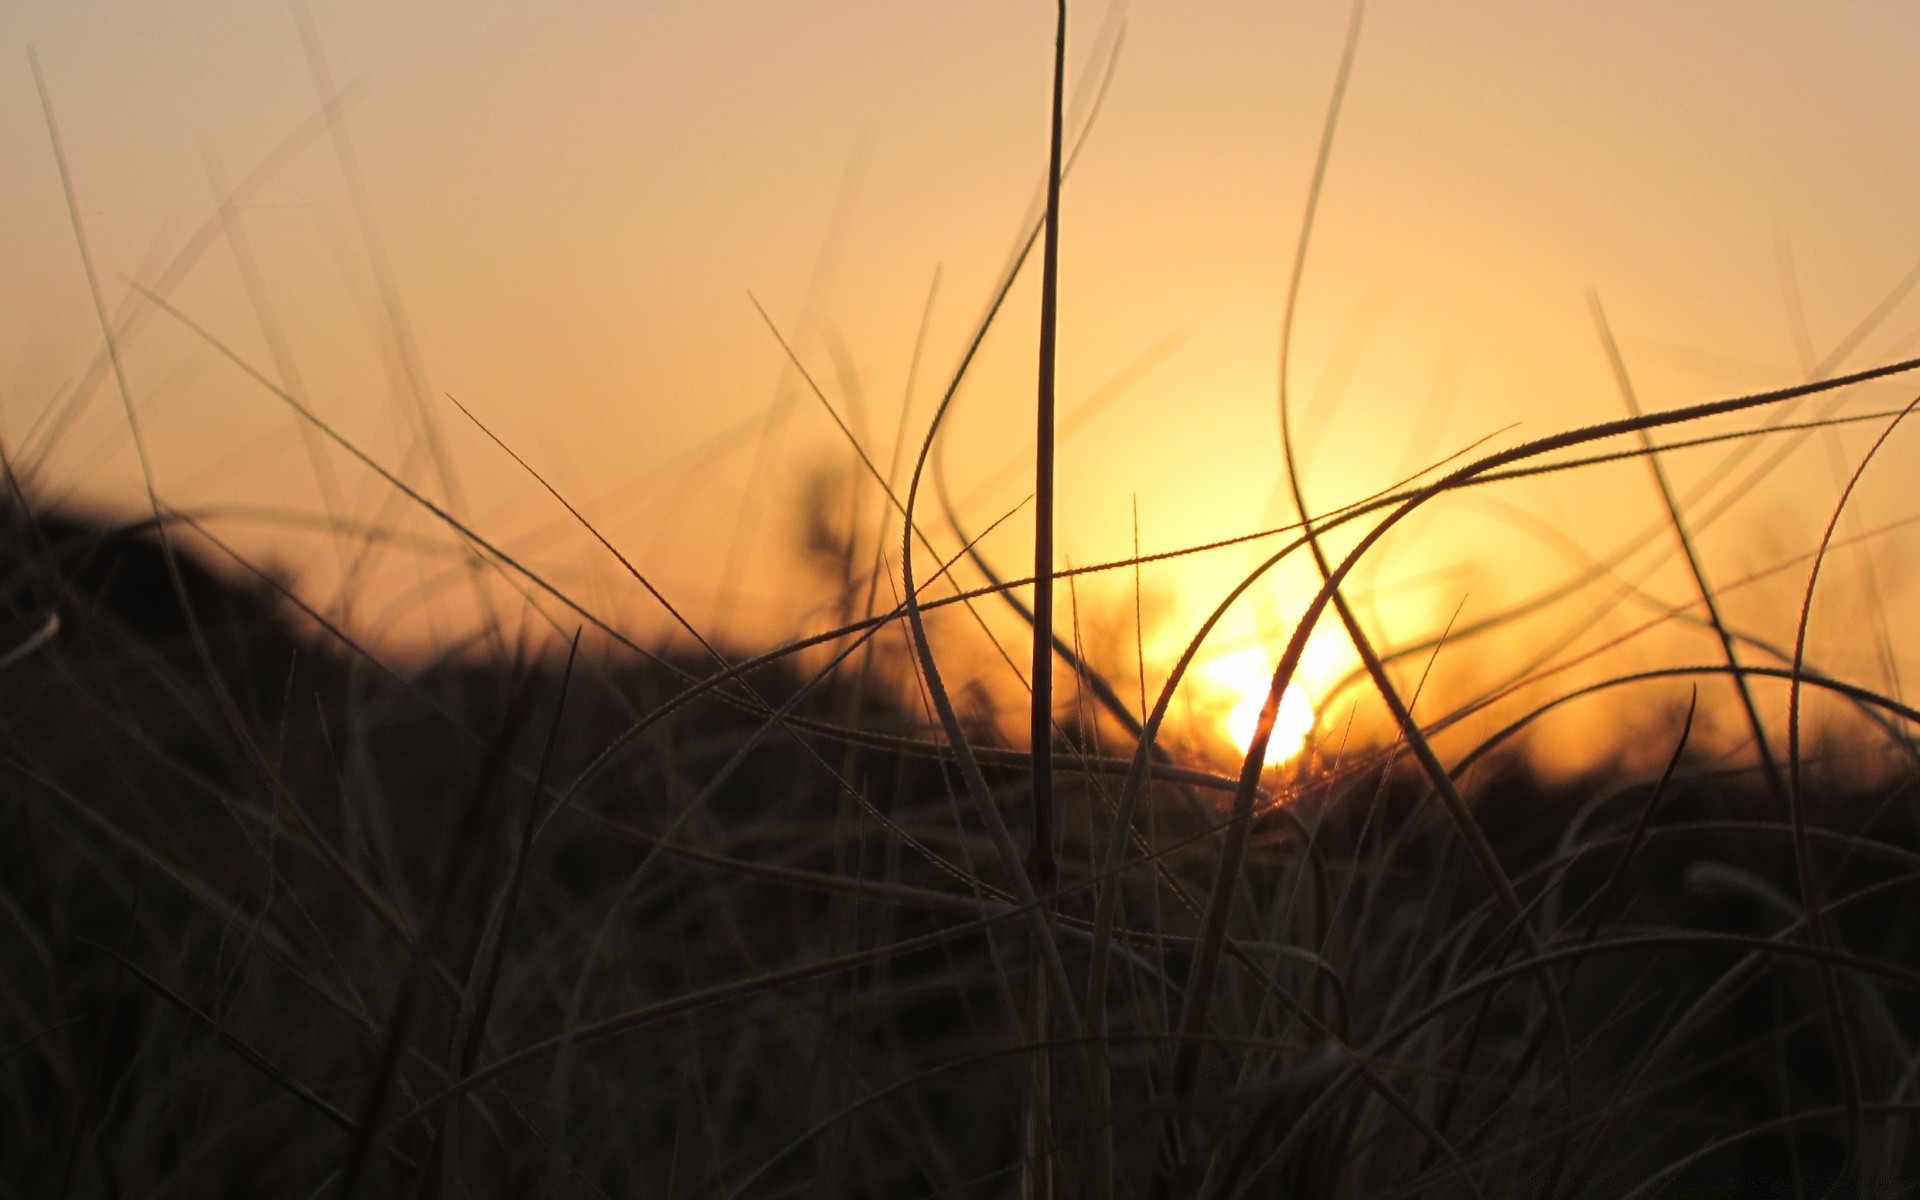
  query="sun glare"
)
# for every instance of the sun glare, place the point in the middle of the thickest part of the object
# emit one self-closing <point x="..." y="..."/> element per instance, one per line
<point x="1242" y="678"/>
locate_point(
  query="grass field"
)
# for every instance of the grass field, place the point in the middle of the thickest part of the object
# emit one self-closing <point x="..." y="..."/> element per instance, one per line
<point x="553" y="910"/>
<point x="282" y="922"/>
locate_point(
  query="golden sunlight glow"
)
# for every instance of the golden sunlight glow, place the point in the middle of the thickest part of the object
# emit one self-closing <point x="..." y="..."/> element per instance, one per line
<point x="1242" y="678"/>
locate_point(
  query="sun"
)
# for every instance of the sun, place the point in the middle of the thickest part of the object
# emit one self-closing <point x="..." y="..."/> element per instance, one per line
<point x="1242" y="678"/>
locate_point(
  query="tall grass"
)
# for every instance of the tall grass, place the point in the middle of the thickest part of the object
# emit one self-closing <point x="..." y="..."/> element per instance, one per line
<point x="574" y="913"/>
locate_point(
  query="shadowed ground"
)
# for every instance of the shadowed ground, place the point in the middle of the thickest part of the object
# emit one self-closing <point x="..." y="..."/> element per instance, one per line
<point x="265" y="904"/>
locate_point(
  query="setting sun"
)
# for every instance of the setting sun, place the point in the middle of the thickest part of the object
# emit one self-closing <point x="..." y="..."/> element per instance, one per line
<point x="1242" y="677"/>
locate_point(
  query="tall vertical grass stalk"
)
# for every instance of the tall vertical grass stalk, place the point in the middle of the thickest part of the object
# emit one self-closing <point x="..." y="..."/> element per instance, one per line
<point x="1040" y="852"/>
<point x="1043" y="1127"/>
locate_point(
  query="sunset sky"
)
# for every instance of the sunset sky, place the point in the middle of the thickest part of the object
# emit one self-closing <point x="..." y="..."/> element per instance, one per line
<point x="575" y="206"/>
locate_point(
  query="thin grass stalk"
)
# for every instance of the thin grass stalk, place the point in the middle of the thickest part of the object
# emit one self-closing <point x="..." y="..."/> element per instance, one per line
<point x="1039" y="862"/>
<point x="1677" y="522"/>
<point x="976" y="783"/>
<point x="1854" y="339"/>
<point x="332" y="499"/>
<point x="279" y="1076"/>
<point x="885" y="483"/>
<point x="1009" y="592"/>
<point x="43" y="437"/>
<point x="1853" y="692"/>
<point x="1811" y="889"/>
<point x="1040" y="725"/>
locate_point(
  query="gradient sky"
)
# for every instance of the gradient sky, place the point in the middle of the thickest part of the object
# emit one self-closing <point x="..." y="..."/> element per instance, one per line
<point x="575" y="202"/>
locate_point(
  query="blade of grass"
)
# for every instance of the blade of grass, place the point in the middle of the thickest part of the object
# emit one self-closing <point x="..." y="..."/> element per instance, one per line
<point x="268" y="1069"/>
<point x="1812" y="890"/>
<point x="1039" y="858"/>
<point x="1677" y="522"/>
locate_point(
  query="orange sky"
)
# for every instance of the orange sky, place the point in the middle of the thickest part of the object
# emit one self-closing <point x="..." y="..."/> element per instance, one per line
<point x="575" y="203"/>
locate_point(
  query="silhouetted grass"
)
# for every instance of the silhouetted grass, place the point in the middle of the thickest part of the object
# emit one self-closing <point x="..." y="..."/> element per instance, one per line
<point x="566" y="912"/>
<point x="276" y="916"/>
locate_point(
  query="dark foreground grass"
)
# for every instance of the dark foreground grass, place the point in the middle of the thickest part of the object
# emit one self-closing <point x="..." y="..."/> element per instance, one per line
<point x="279" y="922"/>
